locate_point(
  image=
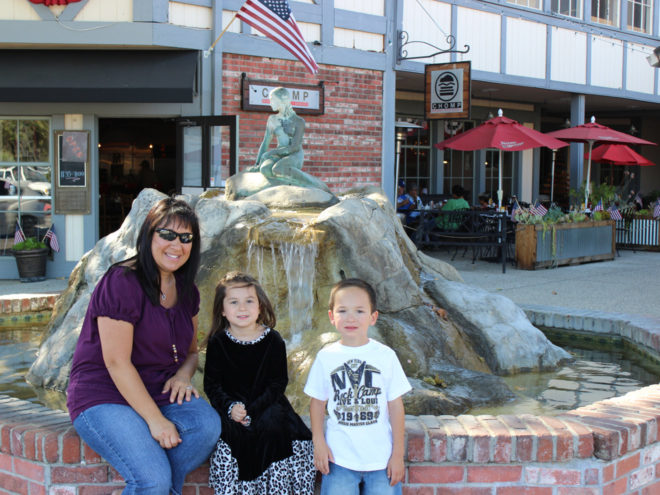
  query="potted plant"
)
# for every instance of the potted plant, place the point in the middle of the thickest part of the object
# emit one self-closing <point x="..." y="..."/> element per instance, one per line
<point x="31" y="256"/>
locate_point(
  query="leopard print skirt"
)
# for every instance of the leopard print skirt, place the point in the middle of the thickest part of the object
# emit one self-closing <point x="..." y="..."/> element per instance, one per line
<point x="294" y="475"/>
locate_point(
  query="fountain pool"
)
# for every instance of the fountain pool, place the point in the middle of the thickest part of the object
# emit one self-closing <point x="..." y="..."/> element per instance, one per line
<point x="609" y="369"/>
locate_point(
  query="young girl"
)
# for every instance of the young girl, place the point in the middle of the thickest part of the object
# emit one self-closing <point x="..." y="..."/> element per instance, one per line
<point x="264" y="448"/>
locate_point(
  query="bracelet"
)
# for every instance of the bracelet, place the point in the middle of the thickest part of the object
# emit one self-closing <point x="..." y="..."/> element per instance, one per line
<point x="248" y="421"/>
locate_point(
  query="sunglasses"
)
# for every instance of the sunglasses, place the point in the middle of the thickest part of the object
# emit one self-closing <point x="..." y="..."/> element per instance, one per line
<point x="170" y="235"/>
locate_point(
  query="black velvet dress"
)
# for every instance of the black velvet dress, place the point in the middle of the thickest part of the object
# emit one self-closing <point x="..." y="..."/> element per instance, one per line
<point x="275" y="453"/>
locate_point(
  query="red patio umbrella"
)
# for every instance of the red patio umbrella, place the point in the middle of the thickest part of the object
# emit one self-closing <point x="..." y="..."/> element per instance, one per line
<point x="618" y="154"/>
<point x="594" y="133"/>
<point x="503" y="134"/>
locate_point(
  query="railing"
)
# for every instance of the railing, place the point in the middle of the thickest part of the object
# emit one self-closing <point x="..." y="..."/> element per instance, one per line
<point x="638" y="232"/>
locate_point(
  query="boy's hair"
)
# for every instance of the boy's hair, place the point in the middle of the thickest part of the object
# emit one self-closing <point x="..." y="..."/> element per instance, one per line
<point x="239" y="279"/>
<point x="353" y="282"/>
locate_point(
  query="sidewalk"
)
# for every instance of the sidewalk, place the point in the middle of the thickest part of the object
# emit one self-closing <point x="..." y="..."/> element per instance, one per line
<point x="625" y="285"/>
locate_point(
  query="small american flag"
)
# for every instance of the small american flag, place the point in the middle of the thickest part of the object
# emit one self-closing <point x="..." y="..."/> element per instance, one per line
<point x="274" y="19"/>
<point x="599" y="206"/>
<point x="656" y="208"/>
<point x="615" y="214"/>
<point x="52" y="239"/>
<point x="538" y="209"/>
<point x="19" y="236"/>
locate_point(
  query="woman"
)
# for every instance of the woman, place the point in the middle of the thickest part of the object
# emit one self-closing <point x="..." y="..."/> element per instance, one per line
<point x="130" y="395"/>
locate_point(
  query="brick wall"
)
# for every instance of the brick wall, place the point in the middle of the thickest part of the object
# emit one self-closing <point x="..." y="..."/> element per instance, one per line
<point x="608" y="448"/>
<point x="342" y="146"/>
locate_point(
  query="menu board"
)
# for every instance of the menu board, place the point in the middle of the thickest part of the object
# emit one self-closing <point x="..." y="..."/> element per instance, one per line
<point x="72" y="189"/>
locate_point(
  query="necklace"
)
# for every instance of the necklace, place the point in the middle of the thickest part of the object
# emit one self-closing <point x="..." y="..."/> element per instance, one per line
<point x="163" y="296"/>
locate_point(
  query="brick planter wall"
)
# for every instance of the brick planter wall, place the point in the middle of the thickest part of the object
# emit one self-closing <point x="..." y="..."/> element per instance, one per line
<point x="342" y="146"/>
<point x="609" y="448"/>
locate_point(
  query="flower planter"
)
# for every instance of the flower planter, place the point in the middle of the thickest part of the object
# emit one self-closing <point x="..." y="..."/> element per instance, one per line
<point x="570" y="244"/>
<point x="31" y="264"/>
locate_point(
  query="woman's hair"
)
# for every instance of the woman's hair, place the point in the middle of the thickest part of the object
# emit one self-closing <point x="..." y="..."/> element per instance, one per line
<point x="281" y="93"/>
<point x="239" y="279"/>
<point x="353" y="282"/>
<point x="165" y="211"/>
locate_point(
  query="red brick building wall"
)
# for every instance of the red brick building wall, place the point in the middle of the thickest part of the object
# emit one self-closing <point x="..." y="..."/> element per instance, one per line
<point x="342" y="146"/>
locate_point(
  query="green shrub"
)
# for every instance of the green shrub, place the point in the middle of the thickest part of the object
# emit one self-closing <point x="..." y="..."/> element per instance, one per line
<point x="29" y="243"/>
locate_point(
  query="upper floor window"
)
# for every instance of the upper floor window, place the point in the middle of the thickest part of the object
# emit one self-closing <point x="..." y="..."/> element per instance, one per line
<point x="605" y="12"/>
<point x="532" y="4"/>
<point x="571" y="8"/>
<point x="639" y="15"/>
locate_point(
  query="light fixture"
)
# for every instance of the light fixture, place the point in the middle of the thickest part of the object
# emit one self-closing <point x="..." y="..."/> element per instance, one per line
<point x="490" y="115"/>
<point x="632" y="130"/>
<point x="654" y="58"/>
<point x="567" y="123"/>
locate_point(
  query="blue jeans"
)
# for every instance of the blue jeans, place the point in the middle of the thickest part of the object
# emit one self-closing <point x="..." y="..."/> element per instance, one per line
<point x="119" y="435"/>
<point x="343" y="481"/>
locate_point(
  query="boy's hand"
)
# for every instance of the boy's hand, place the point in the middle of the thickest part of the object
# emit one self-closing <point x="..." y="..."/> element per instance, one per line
<point x="395" y="470"/>
<point x="322" y="456"/>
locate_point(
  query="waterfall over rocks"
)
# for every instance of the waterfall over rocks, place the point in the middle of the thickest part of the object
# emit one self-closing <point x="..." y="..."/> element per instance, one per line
<point x="298" y="252"/>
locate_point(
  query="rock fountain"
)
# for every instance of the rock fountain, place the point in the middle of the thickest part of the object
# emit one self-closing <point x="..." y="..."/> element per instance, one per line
<point x="287" y="229"/>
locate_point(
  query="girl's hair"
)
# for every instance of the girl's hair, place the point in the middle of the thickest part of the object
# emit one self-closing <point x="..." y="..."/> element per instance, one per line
<point x="239" y="279"/>
<point x="165" y="211"/>
<point x="353" y="282"/>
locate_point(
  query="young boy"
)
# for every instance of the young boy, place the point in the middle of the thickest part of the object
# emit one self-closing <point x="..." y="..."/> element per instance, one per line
<point x="361" y="381"/>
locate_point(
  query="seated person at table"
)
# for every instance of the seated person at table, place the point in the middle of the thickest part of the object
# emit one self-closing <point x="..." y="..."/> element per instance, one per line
<point x="414" y="215"/>
<point x="457" y="202"/>
<point x="483" y="202"/>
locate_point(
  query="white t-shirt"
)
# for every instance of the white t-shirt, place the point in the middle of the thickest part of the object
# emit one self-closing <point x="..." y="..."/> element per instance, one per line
<point x="358" y="382"/>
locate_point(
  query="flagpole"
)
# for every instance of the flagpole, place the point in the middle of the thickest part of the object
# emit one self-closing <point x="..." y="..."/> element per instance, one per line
<point x="208" y="52"/>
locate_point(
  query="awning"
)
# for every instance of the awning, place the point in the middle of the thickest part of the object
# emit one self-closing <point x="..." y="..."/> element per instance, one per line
<point x="131" y="76"/>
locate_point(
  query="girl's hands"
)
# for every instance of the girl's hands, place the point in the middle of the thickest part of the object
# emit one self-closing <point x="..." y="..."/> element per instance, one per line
<point x="180" y="389"/>
<point x="239" y="414"/>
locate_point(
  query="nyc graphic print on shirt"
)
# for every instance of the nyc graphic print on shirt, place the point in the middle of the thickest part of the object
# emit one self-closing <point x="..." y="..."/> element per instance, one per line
<point x="355" y="396"/>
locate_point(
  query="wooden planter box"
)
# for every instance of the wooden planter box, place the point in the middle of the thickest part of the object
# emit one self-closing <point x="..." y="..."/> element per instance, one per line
<point x="574" y="243"/>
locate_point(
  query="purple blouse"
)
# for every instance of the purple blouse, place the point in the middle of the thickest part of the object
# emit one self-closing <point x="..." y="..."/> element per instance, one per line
<point x="156" y="329"/>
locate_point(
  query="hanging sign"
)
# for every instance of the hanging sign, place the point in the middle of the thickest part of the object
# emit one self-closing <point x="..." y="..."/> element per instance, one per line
<point x="447" y="91"/>
<point x="305" y="98"/>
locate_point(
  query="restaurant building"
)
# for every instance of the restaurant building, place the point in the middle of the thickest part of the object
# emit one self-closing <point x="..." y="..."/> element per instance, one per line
<point x="99" y="99"/>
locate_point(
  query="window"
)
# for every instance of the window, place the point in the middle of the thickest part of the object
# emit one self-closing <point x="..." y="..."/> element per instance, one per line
<point x="571" y="8"/>
<point x="605" y="12"/>
<point x="492" y="175"/>
<point x="414" y="160"/>
<point x="458" y="166"/>
<point x="25" y="179"/>
<point x="532" y="4"/>
<point x="639" y="15"/>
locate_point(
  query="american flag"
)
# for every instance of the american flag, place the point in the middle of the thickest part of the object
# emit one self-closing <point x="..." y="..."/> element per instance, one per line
<point x="514" y="211"/>
<point x="538" y="209"/>
<point x="615" y="214"/>
<point x="52" y="239"/>
<point x="275" y="19"/>
<point x="19" y="236"/>
<point x="656" y="208"/>
<point x="599" y="206"/>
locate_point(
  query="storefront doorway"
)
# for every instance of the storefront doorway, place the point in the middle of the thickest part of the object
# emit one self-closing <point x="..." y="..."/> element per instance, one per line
<point x="133" y="154"/>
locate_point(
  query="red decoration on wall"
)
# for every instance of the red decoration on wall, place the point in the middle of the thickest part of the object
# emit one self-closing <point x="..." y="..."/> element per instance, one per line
<point x="48" y="3"/>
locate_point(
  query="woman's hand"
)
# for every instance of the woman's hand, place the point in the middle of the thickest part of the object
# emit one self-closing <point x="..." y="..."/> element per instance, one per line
<point x="180" y="389"/>
<point x="164" y="432"/>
